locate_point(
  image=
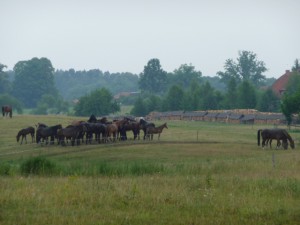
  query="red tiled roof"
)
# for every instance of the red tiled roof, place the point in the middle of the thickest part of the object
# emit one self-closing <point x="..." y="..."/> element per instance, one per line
<point x="280" y="84"/>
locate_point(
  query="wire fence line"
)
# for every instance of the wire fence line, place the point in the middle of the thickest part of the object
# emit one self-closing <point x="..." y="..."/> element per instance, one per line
<point x="194" y="136"/>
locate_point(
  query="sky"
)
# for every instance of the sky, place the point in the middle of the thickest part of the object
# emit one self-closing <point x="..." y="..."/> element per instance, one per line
<point x="123" y="35"/>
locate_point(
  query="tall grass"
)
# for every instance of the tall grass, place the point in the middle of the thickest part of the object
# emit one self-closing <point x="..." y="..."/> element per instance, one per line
<point x="198" y="173"/>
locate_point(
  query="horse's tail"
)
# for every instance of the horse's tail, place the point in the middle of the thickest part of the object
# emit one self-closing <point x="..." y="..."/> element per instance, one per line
<point x="258" y="137"/>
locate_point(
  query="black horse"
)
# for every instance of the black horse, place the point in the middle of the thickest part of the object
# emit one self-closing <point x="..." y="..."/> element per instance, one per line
<point x="72" y="132"/>
<point x="144" y="125"/>
<point x="97" y="129"/>
<point x="24" y="132"/>
<point x="44" y="132"/>
<point x="278" y="134"/>
<point x="7" y="110"/>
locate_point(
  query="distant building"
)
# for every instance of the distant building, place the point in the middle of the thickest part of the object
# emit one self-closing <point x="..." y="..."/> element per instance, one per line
<point x="125" y="94"/>
<point x="279" y="86"/>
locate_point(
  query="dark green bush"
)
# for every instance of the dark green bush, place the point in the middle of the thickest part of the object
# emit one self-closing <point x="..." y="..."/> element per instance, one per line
<point x="38" y="166"/>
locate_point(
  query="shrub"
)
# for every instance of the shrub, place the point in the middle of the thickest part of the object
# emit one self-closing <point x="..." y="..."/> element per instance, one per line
<point x="38" y="166"/>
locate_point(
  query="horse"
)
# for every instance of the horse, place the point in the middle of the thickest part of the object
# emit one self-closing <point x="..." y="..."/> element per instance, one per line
<point x="24" y="132"/>
<point x="99" y="129"/>
<point x="134" y="127"/>
<point x="70" y="132"/>
<point x="114" y="128"/>
<point x="278" y="134"/>
<point x="155" y="130"/>
<point x="144" y="125"/>
<point x="7" y="110"/>
<point x="93" y="119"/>
<point x="45" y="132"/>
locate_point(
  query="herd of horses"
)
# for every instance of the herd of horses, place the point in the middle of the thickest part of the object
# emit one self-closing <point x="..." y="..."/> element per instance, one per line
<point x="102" y="131"/>
<point x="99" y="130"/>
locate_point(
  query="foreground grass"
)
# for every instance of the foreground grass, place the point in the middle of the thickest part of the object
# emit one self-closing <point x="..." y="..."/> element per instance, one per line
<point x="199" y="173"/>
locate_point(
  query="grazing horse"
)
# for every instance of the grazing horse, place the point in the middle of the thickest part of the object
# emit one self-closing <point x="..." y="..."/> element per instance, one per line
<point x="144" y="125"/>
<point x="45" y="132"/>
<point x="24" y="132"/>
<point x="155" y="130"/>
<point x="278" y="134"/>
<point x="7" y="110"/>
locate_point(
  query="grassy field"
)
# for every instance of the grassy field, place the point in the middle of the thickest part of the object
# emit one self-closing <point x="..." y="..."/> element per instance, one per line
<point x="197" y="173"/>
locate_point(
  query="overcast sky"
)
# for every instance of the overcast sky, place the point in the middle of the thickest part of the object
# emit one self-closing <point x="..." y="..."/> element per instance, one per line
<point x="123" y="35"/>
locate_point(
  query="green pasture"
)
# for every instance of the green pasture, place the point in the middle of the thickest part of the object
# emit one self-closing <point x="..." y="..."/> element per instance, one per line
<point x="197" y="173"/>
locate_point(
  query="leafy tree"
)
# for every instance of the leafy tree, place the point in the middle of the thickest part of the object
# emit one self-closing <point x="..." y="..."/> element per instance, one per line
<point x="231" y="95"/>
<point x="209" y="98"/>
<point x="98" y="102"/>
<point x="247" y="67"/>
<point x="290" y="104"/>
<point x="139" y="108"/>
<point x="50" y="104"/>
<point x="293" y="83"/>
<point x="174" y="99"/>
<point x="33" y="79"/>
<point x="246" y="95"/>
<point x="296" y="67"/>
<point x="153" y="78"/>
<point x="192" y="97"/>
<point x="185" y="75"/>
<point x="5" y="85"/>
<point x="153" y="103"/>
<point x="268" y="102"/>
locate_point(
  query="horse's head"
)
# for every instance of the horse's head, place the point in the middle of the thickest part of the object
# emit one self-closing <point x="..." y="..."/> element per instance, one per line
<point x="18" y="137"/>
<point x="292" y="143"/>
<point x="165" y="125"/>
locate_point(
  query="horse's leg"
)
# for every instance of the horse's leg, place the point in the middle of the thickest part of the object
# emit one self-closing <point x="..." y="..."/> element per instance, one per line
<point x="278" y="144"/>
<point x="22" y="139"/>
<point x="25" y="138"/>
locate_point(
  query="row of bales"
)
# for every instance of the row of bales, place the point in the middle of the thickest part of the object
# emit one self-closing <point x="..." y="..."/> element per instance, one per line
<point x="235" y="116"/>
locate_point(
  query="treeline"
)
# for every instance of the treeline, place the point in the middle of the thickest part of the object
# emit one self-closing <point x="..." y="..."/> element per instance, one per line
<point x="36" y="84"/>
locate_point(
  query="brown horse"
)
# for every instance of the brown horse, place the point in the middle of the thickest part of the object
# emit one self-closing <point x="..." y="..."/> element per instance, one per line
<point x="278" y="134"/>
<point x="7" y="110"/>
<point x="155" y="130"/>
<point x="24" y="132"/>
<point x="115" y="127"/>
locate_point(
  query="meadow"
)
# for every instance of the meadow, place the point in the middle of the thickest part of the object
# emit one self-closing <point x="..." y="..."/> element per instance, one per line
<point x="197" y="173"/>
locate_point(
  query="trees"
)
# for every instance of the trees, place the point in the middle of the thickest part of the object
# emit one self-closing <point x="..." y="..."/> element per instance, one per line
<point x="290" y="104"/>
<point x="98" y="102"/>
<point x="5" y="85"/>
<point x="33" y="79"/>
<point x="246" y="95"/>
<point x="247" y="67"/>
<point x="153" y="79"/>
<point x="268" y="102"/>
<point x="174" y="99"/>
<point x="185" y="75"/>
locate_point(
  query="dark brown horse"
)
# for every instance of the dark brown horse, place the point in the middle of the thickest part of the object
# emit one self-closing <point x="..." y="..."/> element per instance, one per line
<point x="277" y="134"/>
<point x="43" y="132"/>
<point x="72" y="132"/>
<point x="24" y="132"/>
<point x="155" y="130"/>
<point x="7" y="110"/>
